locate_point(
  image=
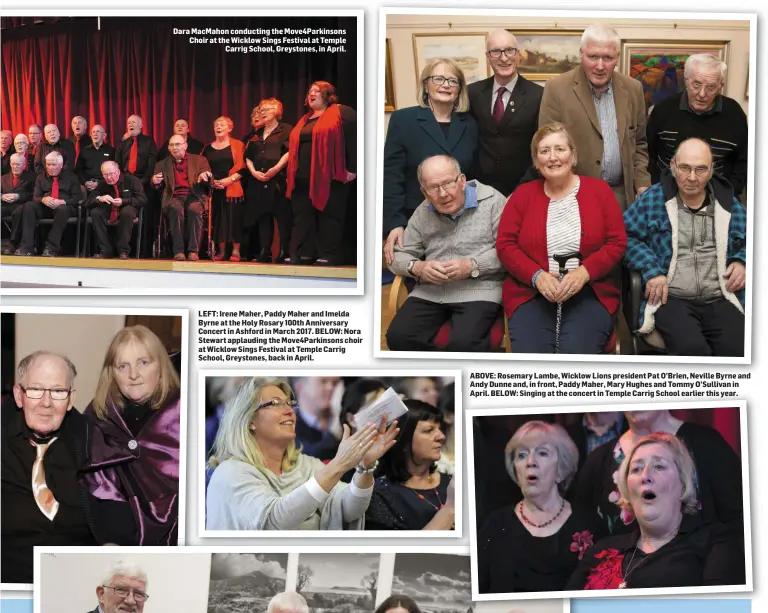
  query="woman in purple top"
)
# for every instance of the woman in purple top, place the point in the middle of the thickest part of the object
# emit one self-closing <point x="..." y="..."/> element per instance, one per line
<point x="135" y="453"/>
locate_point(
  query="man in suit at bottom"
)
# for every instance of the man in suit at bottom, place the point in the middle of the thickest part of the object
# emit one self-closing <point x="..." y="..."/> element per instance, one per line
<point x="184" y="199"/>
<point x="16" y="189"/>
<point x="124" y="588"/>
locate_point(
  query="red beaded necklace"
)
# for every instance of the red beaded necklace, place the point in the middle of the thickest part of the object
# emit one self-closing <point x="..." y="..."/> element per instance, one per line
<point x="546" y="523"/>
<point x="418" y="495"/>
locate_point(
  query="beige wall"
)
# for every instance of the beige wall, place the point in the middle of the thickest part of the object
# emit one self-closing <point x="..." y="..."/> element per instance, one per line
<point x="82" y="338"/>
<point x="400" y="29"/>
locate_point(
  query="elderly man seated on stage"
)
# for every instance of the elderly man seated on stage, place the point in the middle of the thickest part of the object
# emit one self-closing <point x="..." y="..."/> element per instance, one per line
<point x="694" y="290"/>
<point x="117" y="198"/>
<point x="56" y="194"/>
<point x="92" y="157"/>
<point x="450" y="249"/>
<point x="6" y="149"/>
<point x="16" y="188"/>
<point x="184" y="198"/>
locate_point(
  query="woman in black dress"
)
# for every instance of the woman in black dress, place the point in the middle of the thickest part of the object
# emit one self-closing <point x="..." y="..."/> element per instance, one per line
<point x="226" y="158"/>
<point x="321" y="166"/>
<point x="266" y="156"/>
<point x="535" y="545"/>
<point x="718" y="471"/>
<point x="410" y="494"/>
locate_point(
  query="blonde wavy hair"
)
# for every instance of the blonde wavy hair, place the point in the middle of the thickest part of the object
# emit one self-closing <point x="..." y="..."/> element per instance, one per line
<point x="462" y="99"/>
<point x="107" y="389"/>
<point x="234" y="440"/>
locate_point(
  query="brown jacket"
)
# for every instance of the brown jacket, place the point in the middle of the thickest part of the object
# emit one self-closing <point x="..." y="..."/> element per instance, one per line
<point x="568" y="99"/>
<point x="196" y="164"/>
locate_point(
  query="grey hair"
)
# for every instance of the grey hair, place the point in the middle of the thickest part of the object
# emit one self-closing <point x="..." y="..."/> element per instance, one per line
<point x="704" y="60"/>
<point x="109" y="162"/>
<point x="291" y="601"/>
<point x="23" y="136"/>
<point x="567" y="452"/>
<point x="447" y="158"/>
<point x="126" y="569"/>
<point x="601" y="33"/>
<point x="19" y="157"/>
<point x="26" y="363"/>
<point x="55" y="154"/>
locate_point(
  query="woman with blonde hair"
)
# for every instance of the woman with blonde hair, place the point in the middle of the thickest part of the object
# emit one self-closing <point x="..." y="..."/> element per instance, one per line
<point x="262" y="481"/>
<point x="440" y="124"/>
<point x="135" y="450"/>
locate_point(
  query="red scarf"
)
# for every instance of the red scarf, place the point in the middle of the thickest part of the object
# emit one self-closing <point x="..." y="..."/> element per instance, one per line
<point x="328" y="155"/>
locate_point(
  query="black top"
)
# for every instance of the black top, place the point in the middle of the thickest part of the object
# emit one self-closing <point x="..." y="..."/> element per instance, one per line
<point x="313" y="441"/>
<point x="397" y="507"/>
<point x="193" y="146"/>
<point x="264" y="196"/>
<point x="7" y="159"/>
<point x="700" y="554"/>
<point x="146" y="155"/>
<point x="69" y="187"/>
<point x="136" y="414"/>
<point x="63" y="146"/>
<point x="510" y="559"/>
<point x="90" y="161"/>
<point x="266" y="153"/>
<point x="24" y="188"/>
<point x="349" y="127"/>
<point x="221" y="160"/>
<point x="718" y="471"/>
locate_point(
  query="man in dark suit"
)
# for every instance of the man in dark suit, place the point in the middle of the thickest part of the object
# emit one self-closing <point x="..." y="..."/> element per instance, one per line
<point x="117" y="198"/>
<point x="137" y="153"/>
<point x="318" y="428"/>
<point x="6" y="149"/>
<point x="184" y="177"/>
<point x="79" y="137"/>
<point x="53" y="142"/>
<point x="16" y="189"/>
<point x="506" y="108"/>
<point x="92" y="157"/>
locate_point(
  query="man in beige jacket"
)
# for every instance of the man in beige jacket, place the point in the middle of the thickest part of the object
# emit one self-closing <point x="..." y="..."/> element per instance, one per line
<point x="605" y="113"/>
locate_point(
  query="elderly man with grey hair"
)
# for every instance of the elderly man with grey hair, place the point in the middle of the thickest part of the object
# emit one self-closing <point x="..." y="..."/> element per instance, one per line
<point x="54" y="142"/>
<point x="137" y="153"/>
<point x="288" y="602"/>
<point x="449" y="248"/>
<point x="21" y="145"/>
<point x="16" y="188"/>
<point x="701" y="111"/>
<point x="123" y="589"/>
<point x="604" y="112"/>
<point x="6" y="149"/>
<point x="56" y="194"/>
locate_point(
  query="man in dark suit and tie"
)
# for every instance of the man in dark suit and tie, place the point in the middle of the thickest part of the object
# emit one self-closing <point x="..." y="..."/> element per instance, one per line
<point x="506" y="108"/>
<point x="16" y="189"/>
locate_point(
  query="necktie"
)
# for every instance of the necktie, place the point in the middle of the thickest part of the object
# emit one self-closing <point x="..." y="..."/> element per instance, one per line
<point x="134" y="156"/>
<point x="498" y="107"/>
<point x="43" y="496"/>
<point x="115" y="210"/>
<point x="55" y="188"/>
<point x="15" y="180"/>
<point x="77" y="150"/>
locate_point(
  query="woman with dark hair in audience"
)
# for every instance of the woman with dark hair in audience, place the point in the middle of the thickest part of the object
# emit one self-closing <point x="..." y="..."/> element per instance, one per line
<point x="321" y="166"/>
<point x="536" y="544"/>
<point x="181" y="126"/>
<point x="410" y="494"/>
<point x="398" y="604"/>
<point x="266" y="156"/>
<point x="226" y="157"/>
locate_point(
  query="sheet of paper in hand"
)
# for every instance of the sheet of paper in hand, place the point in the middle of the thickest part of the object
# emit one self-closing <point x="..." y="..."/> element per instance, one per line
<point x="388" y="404"/>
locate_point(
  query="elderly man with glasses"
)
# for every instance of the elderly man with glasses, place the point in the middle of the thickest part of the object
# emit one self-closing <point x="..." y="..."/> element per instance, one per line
<point x="506" y="108"/>
<point x="449" y="247"/>
<point x="694" y="290"/>
<point x="123" y="589"/>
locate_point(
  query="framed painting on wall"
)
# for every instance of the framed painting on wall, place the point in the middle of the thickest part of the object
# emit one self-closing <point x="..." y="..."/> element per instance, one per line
<point x="389" y="79"/>
<point x="547" y="53"/>
<point x="659" y="65"/>
<point x="467" y="49"/>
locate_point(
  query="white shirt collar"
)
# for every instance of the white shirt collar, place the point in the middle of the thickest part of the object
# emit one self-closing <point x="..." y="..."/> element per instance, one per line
<point x="509" y="86"/>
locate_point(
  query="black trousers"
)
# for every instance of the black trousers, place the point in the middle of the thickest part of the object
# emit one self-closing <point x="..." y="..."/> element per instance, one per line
<point x="185" y="217"/>
<point x="418" y="321"/>
<point x="319" y="234"/>
<point x="15" y="210"/>
<point x="100" y="217"/>
<point x="35" y="211"/>
<point x="712" y="329"/>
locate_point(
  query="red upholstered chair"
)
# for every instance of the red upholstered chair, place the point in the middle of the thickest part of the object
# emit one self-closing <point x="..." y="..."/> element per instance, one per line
<point x="398" y="294"/>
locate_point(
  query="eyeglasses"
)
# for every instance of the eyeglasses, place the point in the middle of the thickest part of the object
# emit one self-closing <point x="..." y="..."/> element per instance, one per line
<point x="700" y="171"/>
<point x="276" y="402"/>
<point x="439" y="79"/>
<point x="709" y="88"/>
<point x="36" y="393"/>
<point x="433" y="190"/>
<point x="123" y="592"/>
<point x="508" y="51"/>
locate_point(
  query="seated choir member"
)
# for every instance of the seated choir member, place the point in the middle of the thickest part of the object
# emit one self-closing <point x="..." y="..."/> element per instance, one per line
<point x="181" y="126"/>
<point x="536" y="544"/>
<point x="53" y="142"/>
<point x="672" y="545"/>
<point x="184" y="178"/>
<point x="16" y="188"/>
<point x="410" y="493"/>
<point x="449" y="247"/>
<point x="694" y="290"/>
<point x="56" y="194"/>
<point x="6" y="149"/>
<point x="92" y="157"/>
<point x="261" y="481"/>
<point x="116" y="199"/>
<point x="562" y="214"/>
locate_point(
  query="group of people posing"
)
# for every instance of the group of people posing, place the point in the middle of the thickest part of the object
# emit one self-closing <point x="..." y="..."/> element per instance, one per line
<point x="504" y="193"/>
<point x="298" y="176"/>
<point x="106" y="476"/>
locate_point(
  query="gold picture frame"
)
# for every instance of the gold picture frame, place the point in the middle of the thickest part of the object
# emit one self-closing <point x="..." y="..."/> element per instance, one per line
<point x="545" y="54"/>
<point x="467" y="49"/>
<point x="389" y="79"/>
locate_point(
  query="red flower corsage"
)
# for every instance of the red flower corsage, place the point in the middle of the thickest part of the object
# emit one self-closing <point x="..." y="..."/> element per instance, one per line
<point x="581" y="542"/>
<point x="606" y="575"/>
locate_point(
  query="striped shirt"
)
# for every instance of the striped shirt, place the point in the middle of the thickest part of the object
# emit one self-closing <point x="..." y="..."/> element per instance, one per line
<point x="564" y="230"/>
<point x="610" y="166"/>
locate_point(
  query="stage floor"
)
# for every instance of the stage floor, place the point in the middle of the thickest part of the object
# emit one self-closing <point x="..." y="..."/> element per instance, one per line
<point x="196" y="277"/>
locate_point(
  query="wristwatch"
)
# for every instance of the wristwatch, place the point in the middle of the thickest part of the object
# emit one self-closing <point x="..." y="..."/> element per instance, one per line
<point x="361" y="470"/>
<point x="475" y="273"/>
<point x="411" y="264"/>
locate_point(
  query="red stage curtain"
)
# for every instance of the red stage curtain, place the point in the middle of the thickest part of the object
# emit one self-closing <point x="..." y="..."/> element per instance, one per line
<point x="52" y="72"/>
